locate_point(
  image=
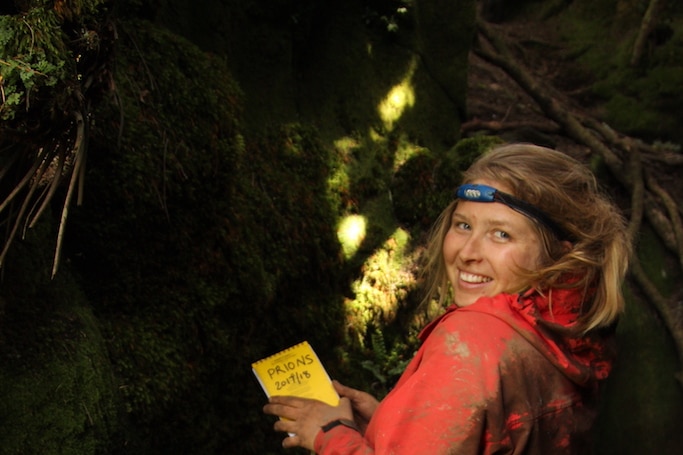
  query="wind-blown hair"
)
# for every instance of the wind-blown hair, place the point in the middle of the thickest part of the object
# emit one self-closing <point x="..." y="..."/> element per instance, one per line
<point x="567" y="191"/>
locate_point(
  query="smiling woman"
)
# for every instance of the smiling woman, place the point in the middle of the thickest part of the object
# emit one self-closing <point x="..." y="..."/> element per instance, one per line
<point x="532" y="255"/>
<point x="585" y="245"/>
<point x="485" y="248"/>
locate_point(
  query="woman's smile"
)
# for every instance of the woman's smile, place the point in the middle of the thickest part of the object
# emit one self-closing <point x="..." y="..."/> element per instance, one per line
<point x="473" y="278"/>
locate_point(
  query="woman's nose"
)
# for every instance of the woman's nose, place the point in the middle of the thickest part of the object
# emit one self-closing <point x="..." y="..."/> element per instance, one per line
<point x="471" y="249"/>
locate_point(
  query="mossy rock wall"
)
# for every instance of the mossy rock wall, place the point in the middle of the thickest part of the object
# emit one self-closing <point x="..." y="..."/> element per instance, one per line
<point x="198" y="246"/>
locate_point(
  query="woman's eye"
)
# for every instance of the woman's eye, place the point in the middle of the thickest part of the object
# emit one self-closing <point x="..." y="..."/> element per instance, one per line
<point x="502" y="235"/>
<point x="461" y="225"/>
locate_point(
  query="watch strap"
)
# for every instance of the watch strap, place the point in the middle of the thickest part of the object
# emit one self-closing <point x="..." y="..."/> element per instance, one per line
<point x="335" y="423"/>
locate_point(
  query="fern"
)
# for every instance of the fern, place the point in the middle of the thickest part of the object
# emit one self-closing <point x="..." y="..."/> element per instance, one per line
<point x="386" y="365"/>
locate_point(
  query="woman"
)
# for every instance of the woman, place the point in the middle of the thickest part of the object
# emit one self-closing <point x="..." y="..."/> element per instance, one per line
<point x="532" y="255"/>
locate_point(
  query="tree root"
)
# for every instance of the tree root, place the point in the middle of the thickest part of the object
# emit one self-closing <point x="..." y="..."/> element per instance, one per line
<point x="648" y="23"/>
<point x="35" y="190"/>
<point x="479" y="125"/>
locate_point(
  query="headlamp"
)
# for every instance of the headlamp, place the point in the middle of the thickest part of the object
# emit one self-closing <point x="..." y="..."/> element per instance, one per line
<point x="485" y="193"/>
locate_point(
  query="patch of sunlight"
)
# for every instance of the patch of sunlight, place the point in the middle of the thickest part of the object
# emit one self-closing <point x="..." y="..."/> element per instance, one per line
<point x="400" y="97"/>
<point x="351" y="233"/>
<point x="338" y="182"/>
<point x="374" y="135"/>
<point x="401" y="237"/>
<point x="387" y="278"/>
<point x="346" y="144"/>
<point x="405" y="150"/>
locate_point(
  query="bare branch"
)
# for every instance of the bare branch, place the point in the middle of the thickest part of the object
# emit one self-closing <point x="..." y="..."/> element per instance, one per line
<point x="646" y="26"/>
<point x="79" y="152"/>
<point x="50" y="191"/>
<point x="40" y="161"/>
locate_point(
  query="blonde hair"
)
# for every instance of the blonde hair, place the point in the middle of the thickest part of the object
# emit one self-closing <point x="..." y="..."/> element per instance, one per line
<point x="567" y="191"/>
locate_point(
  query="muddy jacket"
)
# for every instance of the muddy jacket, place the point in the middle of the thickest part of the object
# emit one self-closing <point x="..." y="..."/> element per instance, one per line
<point x="495" y="377"/>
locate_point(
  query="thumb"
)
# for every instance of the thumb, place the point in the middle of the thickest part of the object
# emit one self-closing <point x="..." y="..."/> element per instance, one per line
<point x="345" y="406"/>
<point x="342" y="390"/>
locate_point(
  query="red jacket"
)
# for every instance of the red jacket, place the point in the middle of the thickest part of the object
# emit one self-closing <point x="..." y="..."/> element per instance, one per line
<point x="495" y="377"/>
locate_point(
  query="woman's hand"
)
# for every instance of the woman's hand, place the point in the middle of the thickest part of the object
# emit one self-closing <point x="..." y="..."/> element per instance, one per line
<point x="304" y="418"/>
<point x="363" y="404"/>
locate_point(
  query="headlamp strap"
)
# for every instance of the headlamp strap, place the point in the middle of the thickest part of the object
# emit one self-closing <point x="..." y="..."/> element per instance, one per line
<point x="485" y="193"/>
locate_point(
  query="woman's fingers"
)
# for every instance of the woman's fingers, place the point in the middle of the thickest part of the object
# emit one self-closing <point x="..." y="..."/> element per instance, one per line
<point x="283" y="406"/>
<point x="291" y="441"/>
<point x="342" y="389"/>
<point x="303" y="418"/>
<point x="287" y="401"/>
<point x="285" y="426"/>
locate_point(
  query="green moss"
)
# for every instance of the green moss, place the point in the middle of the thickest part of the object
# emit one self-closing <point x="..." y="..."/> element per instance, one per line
<point x="64" y="403"/>
<point x="424" y="185"/>
<point x="198" y="246"/>
<point x="627" y="114"/>
<point x="646" y="369"/>
<point x="384" y="313"/>
<point x="645" y="422"/>
<point x="661" y="267"/>
<point x="57" y="393"/>
<point x="642" y="101"/>
<point x="383" y="298"/>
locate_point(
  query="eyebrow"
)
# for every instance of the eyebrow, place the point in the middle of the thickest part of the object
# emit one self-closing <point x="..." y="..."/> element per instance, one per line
<point x="493" y="222"/>
<point x="484" y="193"/>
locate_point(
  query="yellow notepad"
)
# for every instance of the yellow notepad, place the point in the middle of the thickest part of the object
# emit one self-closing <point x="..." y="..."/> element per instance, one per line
<point x="295" y="371"/>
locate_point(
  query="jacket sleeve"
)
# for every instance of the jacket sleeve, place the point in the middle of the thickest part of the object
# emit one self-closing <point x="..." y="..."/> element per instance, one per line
<point x="439" y="406"/>
<point x="342" y="440"/>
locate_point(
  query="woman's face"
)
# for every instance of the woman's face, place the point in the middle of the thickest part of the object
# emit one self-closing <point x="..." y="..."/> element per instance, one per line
<point x="484" y="247"/>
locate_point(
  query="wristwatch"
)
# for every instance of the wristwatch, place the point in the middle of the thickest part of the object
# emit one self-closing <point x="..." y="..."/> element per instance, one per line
<point x="335" y="423"/>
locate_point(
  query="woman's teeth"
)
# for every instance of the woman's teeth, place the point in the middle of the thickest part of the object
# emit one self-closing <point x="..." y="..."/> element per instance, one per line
<point x="472" y="278"/>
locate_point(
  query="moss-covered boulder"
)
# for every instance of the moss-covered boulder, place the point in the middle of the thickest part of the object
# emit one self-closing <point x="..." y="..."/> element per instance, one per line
<point x="57" y="389"/>
<point x="200" y="250"/>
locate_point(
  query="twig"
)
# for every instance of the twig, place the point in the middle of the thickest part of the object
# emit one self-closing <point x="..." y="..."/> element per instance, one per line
<point x="22" y="66"/>
<point x="52" y="188"/>
<point x="18" y="218"/>
<point x="39" y="161"/>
